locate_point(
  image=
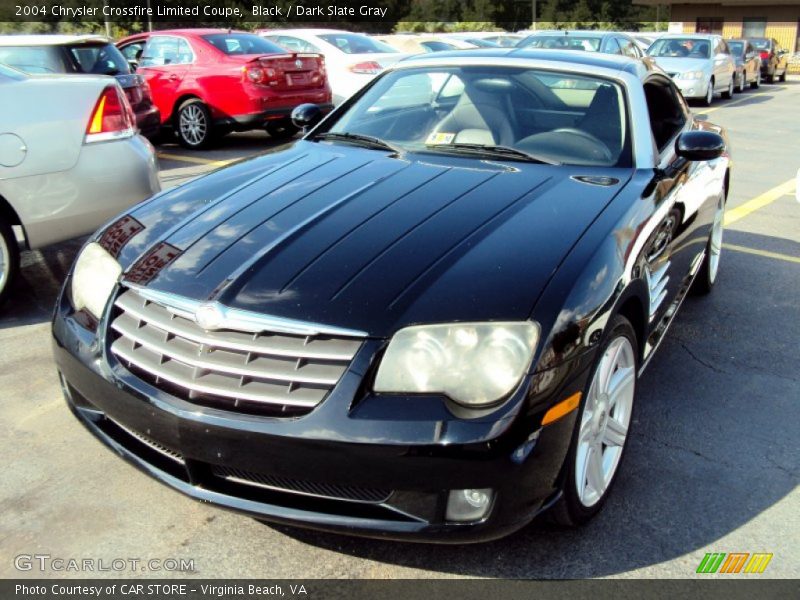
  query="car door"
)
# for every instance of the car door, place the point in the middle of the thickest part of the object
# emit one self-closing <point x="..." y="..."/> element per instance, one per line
<point x="684" y="199"/>
<point x="164" y="62"/>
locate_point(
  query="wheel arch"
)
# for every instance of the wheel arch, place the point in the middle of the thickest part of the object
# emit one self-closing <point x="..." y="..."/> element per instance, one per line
<point x="180" y="100"/>
<point x="10" y="216"/>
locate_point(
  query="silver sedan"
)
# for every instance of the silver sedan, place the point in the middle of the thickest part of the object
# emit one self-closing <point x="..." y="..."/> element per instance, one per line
<point x="70" y="159"/>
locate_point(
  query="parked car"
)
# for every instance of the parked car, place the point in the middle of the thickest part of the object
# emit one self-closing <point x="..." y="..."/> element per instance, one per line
<point x="418" y="44"/>
<point x="700" y="64"/>
<point x="70" y="159"/>
<point x="352" y="59"/>
<point x="477" y="41"/>
<point x="424" y="323"/>
<point x="209" y="82"/>
<point x="643" y="39"/>
<point x="497" y="38"/>
<point x="82" y="54"/>
<point x="748" y="64"/>
<point x="774" y="59"/>
<point x="607" y="42"/>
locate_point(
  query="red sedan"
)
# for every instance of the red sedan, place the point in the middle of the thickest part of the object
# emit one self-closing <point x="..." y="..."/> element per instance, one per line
<point x="209" y="82"/>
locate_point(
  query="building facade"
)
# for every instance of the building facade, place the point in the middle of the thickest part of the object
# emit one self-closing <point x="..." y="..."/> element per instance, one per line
<point x="779" y="19"/>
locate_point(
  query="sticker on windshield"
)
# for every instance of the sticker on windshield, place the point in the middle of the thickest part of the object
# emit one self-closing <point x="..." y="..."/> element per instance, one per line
<point x="438" y="137"/>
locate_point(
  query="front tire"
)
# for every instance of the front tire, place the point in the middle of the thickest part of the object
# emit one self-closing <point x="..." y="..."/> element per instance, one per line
<point x="782" y="78"/>
<point x="601" y="429"/>
<point x="193" y="124"/>
<point x="709" y="94"/>
<point x="740" y="87"/>
<point x="757" y="83"/>
<point x="707" y="276"/>
<point x="9" y="260"/>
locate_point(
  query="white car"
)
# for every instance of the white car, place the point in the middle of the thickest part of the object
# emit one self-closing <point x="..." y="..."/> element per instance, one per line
<point x="418" y="44"/>
<point x="351" y="59"/>
<point x="70" y="159"/>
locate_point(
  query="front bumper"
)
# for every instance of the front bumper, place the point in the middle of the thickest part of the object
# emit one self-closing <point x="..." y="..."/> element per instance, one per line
<point x="334" y="469"/>
<point x="692" y="89"/>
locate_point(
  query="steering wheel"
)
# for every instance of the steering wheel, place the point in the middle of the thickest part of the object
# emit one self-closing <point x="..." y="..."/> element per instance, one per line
<point x="589" y="146"/>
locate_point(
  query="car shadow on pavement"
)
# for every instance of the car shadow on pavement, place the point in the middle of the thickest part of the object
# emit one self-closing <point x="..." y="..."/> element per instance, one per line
<point x="713" y="445"/>
<point x="41" y="275"/>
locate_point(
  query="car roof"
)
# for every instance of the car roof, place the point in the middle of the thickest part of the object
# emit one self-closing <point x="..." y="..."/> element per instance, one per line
<point x="310" y="31"/>
<point x="51" y="40"/>
<point x="614" y="62"/>
<point x="198" y="31"/>
<point x="577" y="32"/>
<point x="701" y="36"/>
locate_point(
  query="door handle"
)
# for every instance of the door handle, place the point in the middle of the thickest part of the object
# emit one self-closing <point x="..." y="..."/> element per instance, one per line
<point x="173" y="77"/>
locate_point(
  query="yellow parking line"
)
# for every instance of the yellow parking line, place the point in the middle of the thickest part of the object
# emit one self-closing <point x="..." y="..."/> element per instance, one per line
<point x="194" y="159"/>
<point x="734" y="214"/>
<point x="742" y="99"/>
<point x="763" y="253"/>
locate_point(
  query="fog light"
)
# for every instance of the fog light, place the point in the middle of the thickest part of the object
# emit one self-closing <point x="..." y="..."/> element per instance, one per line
<point x="468" y="505"/>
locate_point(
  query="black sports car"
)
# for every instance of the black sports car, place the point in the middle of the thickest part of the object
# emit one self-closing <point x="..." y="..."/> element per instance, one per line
<point x="426" y="319"/>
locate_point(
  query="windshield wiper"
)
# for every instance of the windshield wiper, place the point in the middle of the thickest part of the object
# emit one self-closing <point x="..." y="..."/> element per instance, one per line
<point x="502" y="151"/>
<point x="367" y="141"/>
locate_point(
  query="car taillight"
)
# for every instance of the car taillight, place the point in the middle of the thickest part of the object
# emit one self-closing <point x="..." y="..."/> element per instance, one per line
<point x="764" y="55"/>
<point x="369" y="67"/>
<point x="112" y="117"/>
<point x="259" y="75"/>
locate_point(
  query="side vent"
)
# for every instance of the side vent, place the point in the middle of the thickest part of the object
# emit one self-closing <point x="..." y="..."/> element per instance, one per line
<point x="657" y="285"/>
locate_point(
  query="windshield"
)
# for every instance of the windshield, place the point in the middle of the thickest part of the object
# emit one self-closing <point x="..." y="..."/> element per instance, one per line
<point x="234" y="44"/>
<point x="736" y="47"/>
<point x="681" y="47"/>
<point x="558" y="117"/>
<point x="353" y="43"/>
<point x="562" y="42"/>
<point x="760" y="44"/>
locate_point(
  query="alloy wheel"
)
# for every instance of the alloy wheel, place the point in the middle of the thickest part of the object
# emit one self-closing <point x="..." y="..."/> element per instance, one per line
<point x="193" y="124"/>
<point x="715" y="247"/>
<point x="741" y="83"/>
<point x="605" y="421"/>
<point x="710" y="94"/>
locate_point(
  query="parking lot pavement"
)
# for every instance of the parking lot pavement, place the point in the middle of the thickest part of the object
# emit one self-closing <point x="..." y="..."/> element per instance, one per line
<point x="712" y="465"/>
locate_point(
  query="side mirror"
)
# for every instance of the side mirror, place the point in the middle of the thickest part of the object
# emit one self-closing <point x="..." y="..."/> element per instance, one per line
<point x="699" y="145"/>
<point x="305" y="116"/>
<point x="134" y="64"/>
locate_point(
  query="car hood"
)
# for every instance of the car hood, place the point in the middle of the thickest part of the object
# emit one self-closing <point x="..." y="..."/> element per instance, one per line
<point x="362" y="239"/>
<point x="681" y="64"/>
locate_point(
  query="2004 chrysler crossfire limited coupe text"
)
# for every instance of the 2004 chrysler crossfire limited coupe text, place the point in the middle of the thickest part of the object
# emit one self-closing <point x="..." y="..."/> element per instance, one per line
<point x="426" y="319"/>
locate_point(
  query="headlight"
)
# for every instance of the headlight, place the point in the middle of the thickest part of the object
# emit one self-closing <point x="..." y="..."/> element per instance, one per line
<point x="475" y="364"/>
<point x="691" y="75"/>
<point x="93" y="279"/>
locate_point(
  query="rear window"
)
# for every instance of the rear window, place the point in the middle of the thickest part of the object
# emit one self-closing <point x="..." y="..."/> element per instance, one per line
<point x="760" y="44"/>
<point x="234" y="44"/>
<point x="34" y="59"/>
<point x="98" y="59"/>
<point x="353" y="43"/>
<point x="562" y="42"/>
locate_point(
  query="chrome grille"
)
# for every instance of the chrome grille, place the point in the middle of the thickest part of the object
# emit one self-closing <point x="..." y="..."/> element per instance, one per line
<point x="306" y="488"/>
<point x="261" y="371"/>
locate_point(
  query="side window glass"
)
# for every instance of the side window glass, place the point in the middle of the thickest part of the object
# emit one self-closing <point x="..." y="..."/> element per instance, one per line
<point x="667" y="116"/>
<point x="185" y="55"/>
<point x="133" y="51"/>
<point x="613" y="47"/>
<point x="160" y="51"/>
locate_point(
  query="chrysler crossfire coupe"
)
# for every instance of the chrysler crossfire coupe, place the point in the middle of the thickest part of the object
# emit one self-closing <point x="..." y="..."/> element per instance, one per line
<point x="423" y="321"/>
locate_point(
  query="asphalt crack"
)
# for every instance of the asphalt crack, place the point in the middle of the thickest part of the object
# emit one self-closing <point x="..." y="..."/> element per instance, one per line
<point x="700" y="360"/>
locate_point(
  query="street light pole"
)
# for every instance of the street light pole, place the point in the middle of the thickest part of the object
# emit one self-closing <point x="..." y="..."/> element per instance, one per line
<point x="533" y="14"/>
